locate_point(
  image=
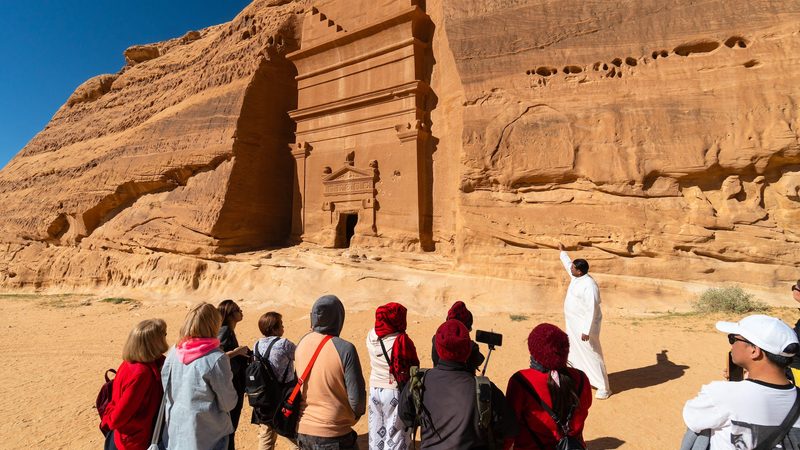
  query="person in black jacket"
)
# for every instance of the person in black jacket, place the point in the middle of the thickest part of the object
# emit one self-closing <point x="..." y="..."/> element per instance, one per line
<point x="449" y="413"/>
<point x="231" y="315"/>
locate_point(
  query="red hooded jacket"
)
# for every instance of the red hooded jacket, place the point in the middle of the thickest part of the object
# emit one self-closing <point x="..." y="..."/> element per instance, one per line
<point x="134" y="405"/>
<point x="531" y="416"/>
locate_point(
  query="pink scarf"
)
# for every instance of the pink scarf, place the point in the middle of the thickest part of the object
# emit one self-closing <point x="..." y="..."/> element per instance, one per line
<point x="194" y="348"/>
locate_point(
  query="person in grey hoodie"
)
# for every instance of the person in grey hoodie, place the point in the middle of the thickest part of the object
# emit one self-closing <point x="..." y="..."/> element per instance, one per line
<point x="334" y="395"/>
<point x="198" y="385"/>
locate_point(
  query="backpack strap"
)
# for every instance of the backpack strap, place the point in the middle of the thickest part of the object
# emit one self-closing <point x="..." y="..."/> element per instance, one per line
<point x="528" y="387"/>
<point x="265" y="360"/>
<point x="300" y="381"/>
<point x="155" y="439"/>
<point x="777" y="436"/>
<point x="386" y="355"/>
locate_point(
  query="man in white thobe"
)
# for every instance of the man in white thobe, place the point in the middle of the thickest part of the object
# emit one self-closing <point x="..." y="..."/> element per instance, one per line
<point x="583" y="317"/>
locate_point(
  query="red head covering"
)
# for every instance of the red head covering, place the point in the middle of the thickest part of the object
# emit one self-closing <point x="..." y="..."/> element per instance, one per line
<point x="453" y="342"/>
<point x="391" y="318"/>
<point x="549" y="346"/>
<point x="460" y="312"/>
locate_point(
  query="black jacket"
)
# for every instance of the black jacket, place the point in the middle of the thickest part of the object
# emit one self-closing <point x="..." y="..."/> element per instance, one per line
<point x="228" y="342"/>
<point x="450" y="399"/>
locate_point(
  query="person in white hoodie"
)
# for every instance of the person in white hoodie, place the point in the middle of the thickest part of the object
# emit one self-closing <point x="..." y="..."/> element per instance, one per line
<point x="391" y="355"/>
<point x="198" y="385"/>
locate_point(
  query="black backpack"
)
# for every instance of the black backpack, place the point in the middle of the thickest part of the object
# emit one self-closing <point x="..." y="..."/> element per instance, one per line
<point x="264" y="390"/>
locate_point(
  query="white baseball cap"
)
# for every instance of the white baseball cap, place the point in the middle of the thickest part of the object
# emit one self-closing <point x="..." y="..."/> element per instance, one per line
<point x="765" y="332"/>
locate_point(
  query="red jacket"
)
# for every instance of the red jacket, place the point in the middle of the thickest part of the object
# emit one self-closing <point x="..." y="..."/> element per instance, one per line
<point x="135" y="401"/>
<point x="531" y="416"/>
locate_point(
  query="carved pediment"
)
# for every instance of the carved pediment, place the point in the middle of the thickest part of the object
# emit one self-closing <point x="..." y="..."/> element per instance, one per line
<point x="349" y="180"/>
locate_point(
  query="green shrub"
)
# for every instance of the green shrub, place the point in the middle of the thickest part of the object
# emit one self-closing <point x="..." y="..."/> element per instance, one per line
<point x="731" y="299"/>
<point x="119" y="300"/>
<point x="518" y="317"/>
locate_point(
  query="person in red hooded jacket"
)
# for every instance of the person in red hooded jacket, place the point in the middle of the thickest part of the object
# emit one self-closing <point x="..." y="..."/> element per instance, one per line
<point x="129" y="417"/>
<point x="564" y="390"/>
<point x="391" y="355"/>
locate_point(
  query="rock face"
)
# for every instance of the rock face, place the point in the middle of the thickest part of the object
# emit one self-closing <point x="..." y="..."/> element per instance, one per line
<point x="168" y="154"/>
<point x="649" y="132"/>
<point x="660" y="140"/>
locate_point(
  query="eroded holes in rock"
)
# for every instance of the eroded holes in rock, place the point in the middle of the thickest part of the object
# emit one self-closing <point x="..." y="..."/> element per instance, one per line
<point x="572" y="69"/>
<point x="619" y="74"/>
<point x="597" y="66"/>
<point x="664" y="53"/>
<point x="527" y="72"/>
<point x="270" y="40"/>
<point x="605" y="66"/>
<point x="752" y="63"/>
<point x="654" y="55"/>
<point x="631" y="61"/>
<point x="543" y="71"/>
<point x="346" y="229"/>
<point x="280" y="40"/>
<point x="245" y="35"/>
<point x="617" y="62"/>
<point x="696" y="47"/>
<point x="736" y="41"/>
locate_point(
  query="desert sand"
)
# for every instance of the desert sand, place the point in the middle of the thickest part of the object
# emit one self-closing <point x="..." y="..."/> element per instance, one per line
<point x="58" y="348"/>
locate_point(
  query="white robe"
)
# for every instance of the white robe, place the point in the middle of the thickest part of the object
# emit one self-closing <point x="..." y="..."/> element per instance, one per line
<point x="583" y="316"/>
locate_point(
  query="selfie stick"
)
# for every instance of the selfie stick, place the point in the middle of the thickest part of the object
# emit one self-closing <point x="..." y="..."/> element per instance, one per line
<point x="486" y="364"/>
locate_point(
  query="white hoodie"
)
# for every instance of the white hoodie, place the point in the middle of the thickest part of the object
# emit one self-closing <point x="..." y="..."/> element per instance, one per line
<point x="379" y="377"/>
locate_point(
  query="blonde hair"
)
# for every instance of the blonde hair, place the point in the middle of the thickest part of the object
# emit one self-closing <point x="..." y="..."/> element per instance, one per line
<point x="146" y="341"/>
<point x="203" y="321"/>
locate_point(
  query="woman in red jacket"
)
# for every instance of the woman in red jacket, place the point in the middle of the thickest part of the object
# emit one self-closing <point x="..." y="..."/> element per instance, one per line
<point x="136" y="397"/>
<point x="550" y="400"/>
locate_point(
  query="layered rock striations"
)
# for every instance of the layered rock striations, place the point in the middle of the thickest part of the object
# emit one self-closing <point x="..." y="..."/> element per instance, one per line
<point x="166" y="154"/>
<point x="658" y="138"/>
<point x="662" y="136"/>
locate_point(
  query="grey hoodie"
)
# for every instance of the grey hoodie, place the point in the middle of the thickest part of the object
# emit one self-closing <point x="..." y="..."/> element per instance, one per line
<point x="327" y="315"/>
<point x="327" y="318"/>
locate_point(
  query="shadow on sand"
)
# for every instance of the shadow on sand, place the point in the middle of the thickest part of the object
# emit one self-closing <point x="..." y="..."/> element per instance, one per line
<point x="662" y="371"/>
<point x="604" y="443"/>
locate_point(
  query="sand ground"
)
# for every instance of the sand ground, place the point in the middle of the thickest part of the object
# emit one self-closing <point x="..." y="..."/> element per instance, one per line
<point x="58" y="347"/>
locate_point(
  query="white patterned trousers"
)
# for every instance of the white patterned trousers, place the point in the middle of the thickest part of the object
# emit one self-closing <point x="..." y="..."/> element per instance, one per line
<point x="385" y="427"/>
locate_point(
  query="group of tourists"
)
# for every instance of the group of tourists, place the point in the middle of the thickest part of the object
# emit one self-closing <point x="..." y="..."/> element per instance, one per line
<point x="193" y="398"/>
<point x="202" y="384"/>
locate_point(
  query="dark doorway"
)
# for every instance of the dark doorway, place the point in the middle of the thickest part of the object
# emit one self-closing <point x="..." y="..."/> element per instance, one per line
<point x="346" y="229"/>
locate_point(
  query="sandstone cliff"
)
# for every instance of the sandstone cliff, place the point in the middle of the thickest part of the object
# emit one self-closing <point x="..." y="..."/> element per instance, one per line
<point x="164" y="154"/>
<point x="660" y="139"/>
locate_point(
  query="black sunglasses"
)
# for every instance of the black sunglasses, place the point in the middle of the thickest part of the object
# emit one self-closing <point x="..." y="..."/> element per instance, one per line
<point x="795" y="288"/>
<point x="732" y="338"/>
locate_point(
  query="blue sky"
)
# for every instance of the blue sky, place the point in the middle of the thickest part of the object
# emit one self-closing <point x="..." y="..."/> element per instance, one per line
<point x="48" y="48"/>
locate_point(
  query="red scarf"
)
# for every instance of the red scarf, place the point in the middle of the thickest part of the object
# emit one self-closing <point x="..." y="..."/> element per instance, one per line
<point x="391" y="318"/>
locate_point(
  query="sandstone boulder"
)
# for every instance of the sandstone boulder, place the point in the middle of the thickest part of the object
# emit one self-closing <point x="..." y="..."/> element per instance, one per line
<point x="141" y="53"/>
<point x="91" y="89"/>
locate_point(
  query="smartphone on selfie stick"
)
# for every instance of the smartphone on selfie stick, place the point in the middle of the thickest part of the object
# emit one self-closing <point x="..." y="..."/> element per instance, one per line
<point x="492" y="340"/>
